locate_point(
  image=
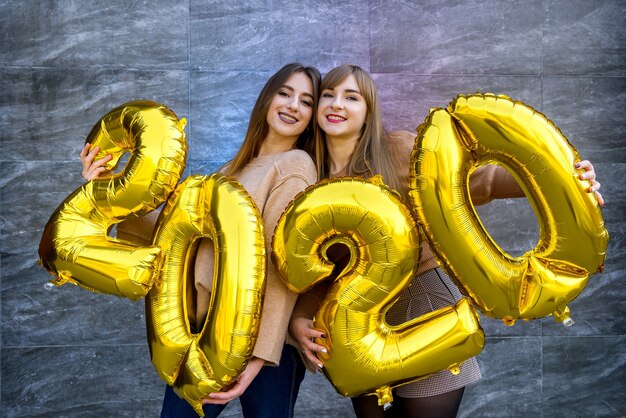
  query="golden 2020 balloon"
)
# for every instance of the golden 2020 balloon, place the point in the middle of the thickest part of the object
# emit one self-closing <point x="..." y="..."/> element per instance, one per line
<point x="367" y="355"/>
<point x="481" y="129"/>
<point x="75" y="247"/>
<point x="195" y="364"/>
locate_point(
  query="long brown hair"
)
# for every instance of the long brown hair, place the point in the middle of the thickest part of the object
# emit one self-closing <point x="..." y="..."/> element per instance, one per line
<point x="258" y="127"/>
<point x="371" y="154"/>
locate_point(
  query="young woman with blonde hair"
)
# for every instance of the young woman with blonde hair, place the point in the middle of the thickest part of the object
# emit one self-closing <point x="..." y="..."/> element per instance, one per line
<point x="352" y="142"/>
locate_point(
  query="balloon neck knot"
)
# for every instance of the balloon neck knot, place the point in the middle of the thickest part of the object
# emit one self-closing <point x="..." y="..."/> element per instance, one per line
<point x="384" y="395"/>
<point x="63" y="277"/>
<point x="508" y="321"/>
<point x="455" y="369"/>
<point x="377" y="180"/>
<point x="563" y="316"/>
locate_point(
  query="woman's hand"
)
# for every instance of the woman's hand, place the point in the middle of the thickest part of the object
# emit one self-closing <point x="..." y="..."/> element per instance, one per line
<point x="92" y="170"/>
<point x="239" y="387"/>
<point x="301" y="328"/>
<point x="590" y="174"/>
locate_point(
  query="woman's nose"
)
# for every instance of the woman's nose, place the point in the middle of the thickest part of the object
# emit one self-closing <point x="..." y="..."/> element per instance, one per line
<point x="293" y="103"/>
<point x="337" y="102"/>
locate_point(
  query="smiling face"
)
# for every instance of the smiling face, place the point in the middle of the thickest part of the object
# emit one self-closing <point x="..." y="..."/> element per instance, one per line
<point x="342" y="110"/>
<point x="291" y="108"/>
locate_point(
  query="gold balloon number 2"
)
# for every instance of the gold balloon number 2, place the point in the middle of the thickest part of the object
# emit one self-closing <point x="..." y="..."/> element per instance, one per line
<point x="367" y="354"/>
<point x="75" y="247"/>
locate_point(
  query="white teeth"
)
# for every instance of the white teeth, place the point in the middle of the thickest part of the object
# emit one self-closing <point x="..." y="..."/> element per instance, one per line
<point x="335" y="118"/>
<point x="288" y="118"/>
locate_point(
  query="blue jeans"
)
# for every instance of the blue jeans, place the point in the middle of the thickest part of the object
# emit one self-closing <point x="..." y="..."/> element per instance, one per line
<point x="272" y="394"/>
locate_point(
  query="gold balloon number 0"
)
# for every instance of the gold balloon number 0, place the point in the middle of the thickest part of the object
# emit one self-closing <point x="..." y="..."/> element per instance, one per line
<point x="482" y="129"/>
<point x="195" y="364"/>
<point x="75" y="248"/>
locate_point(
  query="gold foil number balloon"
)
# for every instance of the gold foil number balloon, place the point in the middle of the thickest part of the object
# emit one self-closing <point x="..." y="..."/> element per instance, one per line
<point x="366" y="354"/>
<point x="196" y="364"/>
<point x="75" y="247"/>
<point x="482" y="129"/>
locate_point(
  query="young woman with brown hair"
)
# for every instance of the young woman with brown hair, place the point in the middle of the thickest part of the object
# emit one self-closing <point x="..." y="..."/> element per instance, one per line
<point x="273" y="165"/>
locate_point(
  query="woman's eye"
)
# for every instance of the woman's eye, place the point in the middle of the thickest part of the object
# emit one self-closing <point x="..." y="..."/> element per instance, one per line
<point x="327" y="95"/>
<point x="283" y="93"/>
<point x="307" y="103"/>
<point x="353" y="98"/>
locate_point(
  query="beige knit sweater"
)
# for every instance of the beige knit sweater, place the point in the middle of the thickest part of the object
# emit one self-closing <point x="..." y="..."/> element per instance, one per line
<point x="272" y="181"/>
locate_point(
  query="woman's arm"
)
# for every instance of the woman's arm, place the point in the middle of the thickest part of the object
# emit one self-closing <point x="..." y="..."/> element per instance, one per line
<point x="495" y="182"/>
<point x="488" y="182"/>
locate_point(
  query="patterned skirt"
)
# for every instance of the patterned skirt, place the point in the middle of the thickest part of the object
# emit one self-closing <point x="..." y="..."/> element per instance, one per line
<point x="427" y="292"/>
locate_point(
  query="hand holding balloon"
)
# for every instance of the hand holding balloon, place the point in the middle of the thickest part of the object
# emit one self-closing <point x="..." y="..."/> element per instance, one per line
<point x="306" y="335"/>
<point x="92" y="170"/>
<point x="239" y="386"/>
<point x="590" y="175"/>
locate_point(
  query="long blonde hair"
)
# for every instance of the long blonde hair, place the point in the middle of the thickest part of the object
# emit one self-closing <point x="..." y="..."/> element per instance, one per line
<point x="371" y="154"/>
<point x="258" y="127"/>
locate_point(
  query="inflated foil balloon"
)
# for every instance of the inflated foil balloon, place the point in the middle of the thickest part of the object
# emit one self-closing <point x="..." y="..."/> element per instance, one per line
<point x="195" y="364"/>
<point x="481" y="129"/>
<point x="367" y="355"/>
<point x="75" y="247"/>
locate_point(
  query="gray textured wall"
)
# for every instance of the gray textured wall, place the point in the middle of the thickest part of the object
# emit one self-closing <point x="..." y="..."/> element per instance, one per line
<point x="63" y="64"/>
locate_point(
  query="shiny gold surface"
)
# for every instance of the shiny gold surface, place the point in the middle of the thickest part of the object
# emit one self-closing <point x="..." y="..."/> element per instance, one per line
<point x="195" y="364"/>
<point x="366" y="354"/>
<point x="480" y="129"/>
<point x="75" y="247"/>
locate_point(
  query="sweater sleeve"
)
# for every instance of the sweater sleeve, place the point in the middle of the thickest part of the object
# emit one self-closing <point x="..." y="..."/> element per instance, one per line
<point x="138" y="230"/>
<point x="486" y="183"/>
<point x="203" y="278"/>
<point x="400" y="145"/>
<point x="309" y="302"/>
<point x="493" y="182"/>
<point x="279" y="300"/>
